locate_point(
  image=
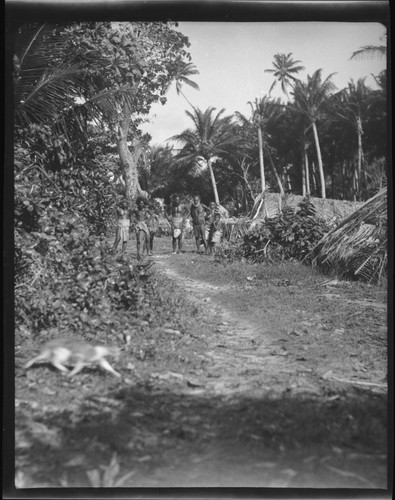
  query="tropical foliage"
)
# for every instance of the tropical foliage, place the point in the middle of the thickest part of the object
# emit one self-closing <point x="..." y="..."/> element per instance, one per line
<point x="108" y="73"/>
<point x="322" y="142"/>
<point x="81" y="92"/>
<point x="211" y="137"/>
<point x="289" y="236"/>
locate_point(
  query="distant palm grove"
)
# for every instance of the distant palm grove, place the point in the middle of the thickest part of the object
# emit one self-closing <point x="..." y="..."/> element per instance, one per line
<point x="82" y="90"/>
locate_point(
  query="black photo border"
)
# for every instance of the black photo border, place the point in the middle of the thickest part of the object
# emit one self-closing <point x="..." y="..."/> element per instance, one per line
<point x="18" y="12"/>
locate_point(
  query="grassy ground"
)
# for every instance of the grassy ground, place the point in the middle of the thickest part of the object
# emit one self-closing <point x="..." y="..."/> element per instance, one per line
<point x="244" y="375"/>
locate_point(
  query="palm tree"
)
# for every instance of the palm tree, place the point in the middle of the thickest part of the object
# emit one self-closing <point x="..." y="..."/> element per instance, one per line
<point x="257" y="117"/>
<point x="284" y="69"/>
<point x="160" y="158"/>
<point x="264" y="113"/>
<point x="211" y="137"/>
<point x="183" y="72"/>
<point x="310" y="99"/>
<point x="44" y="84"/>
<point x="352" y="103"/>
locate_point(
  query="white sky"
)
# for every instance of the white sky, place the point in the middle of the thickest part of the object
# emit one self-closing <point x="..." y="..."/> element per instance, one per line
<point x="231" y="58"/>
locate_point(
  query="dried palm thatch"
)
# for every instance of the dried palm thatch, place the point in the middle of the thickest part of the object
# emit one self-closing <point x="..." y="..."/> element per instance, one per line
<point x="357" y="247"/>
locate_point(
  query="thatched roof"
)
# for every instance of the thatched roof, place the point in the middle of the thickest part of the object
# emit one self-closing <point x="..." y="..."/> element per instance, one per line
<point x="272" y="204"/>
<point x="357" y="247"/>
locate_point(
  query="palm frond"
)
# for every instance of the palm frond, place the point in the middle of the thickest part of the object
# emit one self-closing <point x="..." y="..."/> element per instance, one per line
<point x="357" y="247"/>
<point x="190" y="83"/>
<point x="369" y="52"/>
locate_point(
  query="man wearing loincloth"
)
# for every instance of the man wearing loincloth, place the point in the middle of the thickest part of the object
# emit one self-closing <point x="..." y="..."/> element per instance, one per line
<point x="198" y="214"/>
<point x="123" y="225"/>
<point x="176" y="217"/>
<point x="215" y="233"/>
<point x="212" y="207"/>
<point x="140" y="217"/>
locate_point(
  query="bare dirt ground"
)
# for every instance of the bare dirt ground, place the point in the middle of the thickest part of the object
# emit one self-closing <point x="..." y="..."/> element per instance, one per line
<point x="277" y="378"/>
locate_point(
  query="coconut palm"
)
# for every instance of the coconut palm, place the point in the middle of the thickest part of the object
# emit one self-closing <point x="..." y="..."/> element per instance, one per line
<point x="352" y="104"/>
<point x="212" y="136"/>
<point x="284" y="69"/>
<point x="183" y="72"/>
<point x="310" y="99"/>
<point x="257" y="118"/>
<point x="160" y="158"/>
<point x="265" y="112"/>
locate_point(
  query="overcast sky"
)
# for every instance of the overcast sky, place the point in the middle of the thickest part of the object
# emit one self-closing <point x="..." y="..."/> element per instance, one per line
<point x="232" y="57"/>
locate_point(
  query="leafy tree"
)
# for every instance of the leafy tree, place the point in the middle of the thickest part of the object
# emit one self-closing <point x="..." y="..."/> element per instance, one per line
<point x="114" y="71"/>
<point x="211" y="137"/>
<point x="143" y="60"/>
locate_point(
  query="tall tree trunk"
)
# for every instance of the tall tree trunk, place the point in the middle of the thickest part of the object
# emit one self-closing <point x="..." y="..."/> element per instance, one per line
<point x="289" y="185"/>
<point x="314" y="177"/>
<point x="280" y="186"/>
<point x="344" y="179"/>
<point x="319" y="159"/>
<point x="354" y="182"/>
<point x="306" y="166"/>
<point x="210" y="167"/>
<point x="261" y="165"/>
<point x="303" y="176"/>
<point x="129" y="159"/>
<point x="247" y="185"/>
<point x="360" y="154"/>
<point x="185" y="97"/>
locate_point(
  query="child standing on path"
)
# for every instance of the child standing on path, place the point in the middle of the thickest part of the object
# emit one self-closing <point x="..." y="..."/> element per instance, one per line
<point x="123" y="224"/>
<point x="198" y="215"/>
<point x="177" y="216"/>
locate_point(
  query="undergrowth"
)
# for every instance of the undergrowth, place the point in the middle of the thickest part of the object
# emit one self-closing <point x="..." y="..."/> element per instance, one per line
<point x="290" y="236"/>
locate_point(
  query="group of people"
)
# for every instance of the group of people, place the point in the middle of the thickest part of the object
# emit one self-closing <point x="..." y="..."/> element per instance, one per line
<point x="205" y="222"/>
<point x="145" y="221"/>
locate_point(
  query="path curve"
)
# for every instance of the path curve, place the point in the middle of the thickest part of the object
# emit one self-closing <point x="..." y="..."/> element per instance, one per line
<point x="240" y="350"/>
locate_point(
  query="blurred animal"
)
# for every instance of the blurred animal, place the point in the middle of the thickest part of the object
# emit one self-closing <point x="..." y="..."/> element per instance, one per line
<point x="75" y="353"/>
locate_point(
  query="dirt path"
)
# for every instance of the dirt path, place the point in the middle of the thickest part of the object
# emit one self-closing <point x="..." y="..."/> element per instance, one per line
<point x="239" y="348"/>
<point x="250" y="363"/>
<point x="270" y="381"/>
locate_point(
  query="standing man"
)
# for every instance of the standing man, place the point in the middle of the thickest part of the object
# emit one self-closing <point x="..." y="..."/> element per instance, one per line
<point x="198" y="215"/>
<point x="215" y="233"/>
<point x="177" y="216"/>
<point x="140" y="217"/>
<point x="123" y="225"/>
<point x="209" y="218"/>
<point x="153" y="225"/>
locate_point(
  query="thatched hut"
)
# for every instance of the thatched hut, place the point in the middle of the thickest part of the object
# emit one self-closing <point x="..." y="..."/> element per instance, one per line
<point x="357" y="247"/>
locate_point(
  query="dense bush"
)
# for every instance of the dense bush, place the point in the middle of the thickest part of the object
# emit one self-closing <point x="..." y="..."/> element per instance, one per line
<point x="65" y="276"/>
<point x="70" y="280"/>
<point x="289" y="236"/>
